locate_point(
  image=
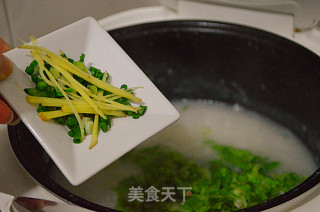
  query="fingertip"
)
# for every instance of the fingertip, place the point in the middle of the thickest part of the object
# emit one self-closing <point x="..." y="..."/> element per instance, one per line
<point x="6" y="114"/>
<point x="4" y="46"/>
<point x="5" y="67"/>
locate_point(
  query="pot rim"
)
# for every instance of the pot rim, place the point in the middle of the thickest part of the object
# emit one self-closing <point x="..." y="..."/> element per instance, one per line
<point x="47" y="183"/>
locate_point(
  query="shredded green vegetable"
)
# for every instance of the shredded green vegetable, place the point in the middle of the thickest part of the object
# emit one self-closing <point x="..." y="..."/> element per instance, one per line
<point x="237" y="179"/>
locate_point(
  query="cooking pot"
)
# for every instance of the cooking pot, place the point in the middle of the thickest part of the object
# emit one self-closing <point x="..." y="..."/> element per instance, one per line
<point x="189" y="59"/>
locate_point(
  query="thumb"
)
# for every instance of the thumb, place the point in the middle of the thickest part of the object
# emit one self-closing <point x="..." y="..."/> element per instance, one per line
<point x="7" y="116"/>
<point x="5" y="67"/>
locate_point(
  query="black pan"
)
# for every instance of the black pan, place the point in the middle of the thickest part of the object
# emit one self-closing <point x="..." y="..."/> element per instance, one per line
<point x="261" y="71"/>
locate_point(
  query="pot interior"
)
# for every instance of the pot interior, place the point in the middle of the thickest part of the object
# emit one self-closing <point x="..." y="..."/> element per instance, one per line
<point x="214" y="61"/>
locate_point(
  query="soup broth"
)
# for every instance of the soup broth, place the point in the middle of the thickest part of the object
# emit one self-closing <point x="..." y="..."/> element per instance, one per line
<point x="203" y="120"/>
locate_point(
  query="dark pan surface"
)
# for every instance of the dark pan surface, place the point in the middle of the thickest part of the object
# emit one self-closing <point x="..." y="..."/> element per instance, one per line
<point x="209" y="60"/>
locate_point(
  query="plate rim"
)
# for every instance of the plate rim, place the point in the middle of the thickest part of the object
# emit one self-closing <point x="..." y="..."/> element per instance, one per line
<point x="69" y="164"/>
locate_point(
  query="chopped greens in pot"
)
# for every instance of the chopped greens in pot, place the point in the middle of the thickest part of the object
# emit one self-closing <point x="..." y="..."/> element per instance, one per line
<point x="235" y="180"/>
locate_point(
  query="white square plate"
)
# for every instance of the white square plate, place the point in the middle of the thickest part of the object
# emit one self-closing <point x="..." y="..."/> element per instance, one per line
<point x="76" y="161"/>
